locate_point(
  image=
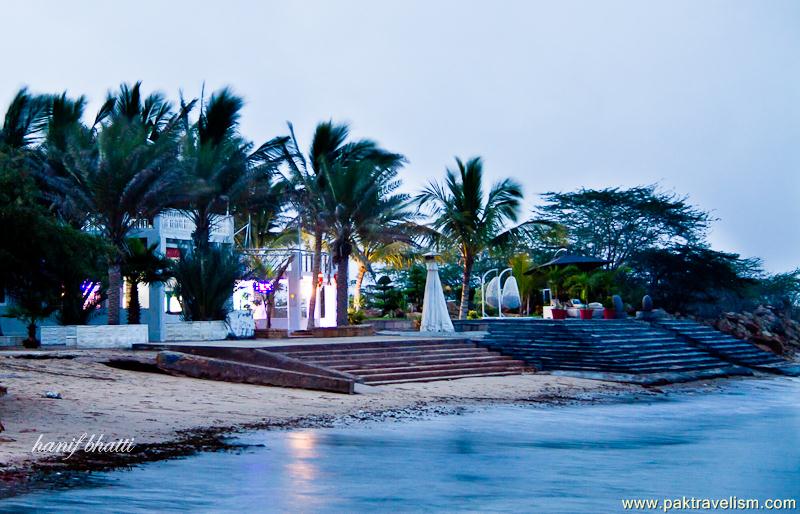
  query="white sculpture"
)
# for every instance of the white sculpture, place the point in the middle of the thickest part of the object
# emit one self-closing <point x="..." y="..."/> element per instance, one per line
<point x="435" y="317"/>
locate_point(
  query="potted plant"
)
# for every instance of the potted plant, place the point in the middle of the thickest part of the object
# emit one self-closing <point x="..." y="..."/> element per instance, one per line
<point x="608" y="309"/>
<point x="558" y="311"/>
<point x="586" y="312"/>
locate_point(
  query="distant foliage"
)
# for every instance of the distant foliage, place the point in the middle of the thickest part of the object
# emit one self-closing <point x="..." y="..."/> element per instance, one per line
<point x="615" y="223"/>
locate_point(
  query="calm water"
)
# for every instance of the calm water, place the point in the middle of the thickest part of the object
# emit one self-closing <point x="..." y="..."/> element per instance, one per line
<point x="737" y="438"/>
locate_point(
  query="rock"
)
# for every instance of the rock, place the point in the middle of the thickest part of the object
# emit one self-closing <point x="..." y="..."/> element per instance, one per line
<point x="53" y="395"/>
<point x="647" y="303"/>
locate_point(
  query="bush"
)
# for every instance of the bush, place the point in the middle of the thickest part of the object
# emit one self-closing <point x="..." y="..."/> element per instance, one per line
<point x="473" y="315"/>
<point x="205" y="281"/>
<point x="355" y="317"/>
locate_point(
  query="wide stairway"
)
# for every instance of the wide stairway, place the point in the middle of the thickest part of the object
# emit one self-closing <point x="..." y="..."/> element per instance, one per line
<point x="390" y="362"/>
<point x="731" y="349"/>
<point x="620" y="350"/>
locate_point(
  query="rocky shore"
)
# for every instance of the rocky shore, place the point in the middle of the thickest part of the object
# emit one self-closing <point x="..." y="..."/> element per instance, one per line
<point x="57" y="396"/>
<point x="766" y="326"/>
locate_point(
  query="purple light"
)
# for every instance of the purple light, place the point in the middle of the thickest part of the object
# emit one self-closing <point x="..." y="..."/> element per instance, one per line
<point x="262" y="287"/>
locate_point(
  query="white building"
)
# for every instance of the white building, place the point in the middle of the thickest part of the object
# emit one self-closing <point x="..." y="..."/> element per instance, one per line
<point x="171" y="232"/>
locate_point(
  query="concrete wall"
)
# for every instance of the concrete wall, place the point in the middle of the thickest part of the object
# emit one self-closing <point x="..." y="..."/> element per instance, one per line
<point x="94" y="336"/>
<point x="196" y="331"/>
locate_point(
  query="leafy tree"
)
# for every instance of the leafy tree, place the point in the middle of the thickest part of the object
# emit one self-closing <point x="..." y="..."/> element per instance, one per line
<point x="615" y="223"/>
<point x="681" y="278"/>
<point x="780" y="289"/>
<point x="465" y="219"/>
<point x="39" y="255"/>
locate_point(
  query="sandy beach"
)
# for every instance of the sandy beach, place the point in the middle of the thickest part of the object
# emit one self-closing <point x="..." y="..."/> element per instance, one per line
<point x="168" y="415"/>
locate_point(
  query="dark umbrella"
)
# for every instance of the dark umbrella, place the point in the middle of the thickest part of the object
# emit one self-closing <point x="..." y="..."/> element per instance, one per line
<point x="581" y="262"/>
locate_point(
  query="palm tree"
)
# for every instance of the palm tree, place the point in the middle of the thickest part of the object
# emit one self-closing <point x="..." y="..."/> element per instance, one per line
<point x="464" y="218"/>
<point x="24" y="121"/>
<point x="142" y="265"/>
<point x="120" y="171"/>
<point x="221" y="169"/>
<point x="307" y="185"/>
<point x="393" y="244"/>
<point x="360" y="187"/>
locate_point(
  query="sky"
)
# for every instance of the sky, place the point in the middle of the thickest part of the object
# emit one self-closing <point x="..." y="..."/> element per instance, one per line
<point x="700" y="97"/>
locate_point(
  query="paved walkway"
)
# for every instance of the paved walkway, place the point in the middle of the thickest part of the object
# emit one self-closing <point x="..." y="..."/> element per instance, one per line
<point x="310" y="341"/>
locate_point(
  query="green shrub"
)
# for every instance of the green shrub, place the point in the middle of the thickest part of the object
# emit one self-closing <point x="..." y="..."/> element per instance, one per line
<point x="205" y="281"/>
<point x="473" y="315"/>
<point x="355" y="317"/>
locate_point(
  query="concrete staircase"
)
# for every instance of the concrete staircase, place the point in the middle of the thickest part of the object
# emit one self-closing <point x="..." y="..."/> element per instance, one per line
<point x="731" y="349"/>
<point x="389" y="362"/>
<point x="620" y="350"/>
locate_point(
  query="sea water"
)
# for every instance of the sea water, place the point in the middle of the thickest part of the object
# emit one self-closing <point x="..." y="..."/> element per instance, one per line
<point x="735" y="438"/>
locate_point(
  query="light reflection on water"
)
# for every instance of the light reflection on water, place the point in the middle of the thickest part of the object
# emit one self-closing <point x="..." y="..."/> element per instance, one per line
<point x="740" y="438"/>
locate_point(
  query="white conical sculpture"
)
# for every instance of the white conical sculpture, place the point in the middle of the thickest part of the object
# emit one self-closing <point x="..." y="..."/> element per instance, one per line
<point x="435" y="317"/>
<point x="493" y="293"/>
<point x="511" y="294"/>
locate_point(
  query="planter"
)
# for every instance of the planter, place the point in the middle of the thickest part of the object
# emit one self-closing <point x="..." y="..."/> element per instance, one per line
<point x="347" y="331"/>
<point x="609" y="313"/>
<point x="392" y="324"/>
<point x="586" y="313"/>
<point x="94" y="336"/>
<point x="271" y="333"/>
<point x="11" y="340"/>
<point x="559" y="313"/>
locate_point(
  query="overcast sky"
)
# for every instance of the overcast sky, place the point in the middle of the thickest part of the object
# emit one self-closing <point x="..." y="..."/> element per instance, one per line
<point x="702" y="97"/>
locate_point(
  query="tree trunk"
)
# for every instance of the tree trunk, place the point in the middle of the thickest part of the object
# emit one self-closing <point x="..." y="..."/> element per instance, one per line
<point x="362" y="270"/>
<point x="341" y="290"/>
<point x="270" y="300"/>
<point x="462" y="311"/>
<point x="114" y="286"/>
<point x="316" y="266"/>
<point x="134" y="306"/>
<point x="202" y="230"/>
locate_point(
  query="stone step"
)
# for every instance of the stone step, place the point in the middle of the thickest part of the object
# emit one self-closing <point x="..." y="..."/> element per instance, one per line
<point x="432" y="375"/>
<point x="367" y="372"/>
<point x="398" y="356"/>
<point x="450" y="377"/>
<point x="383" y="351"/>
<point x="372" y="363"/>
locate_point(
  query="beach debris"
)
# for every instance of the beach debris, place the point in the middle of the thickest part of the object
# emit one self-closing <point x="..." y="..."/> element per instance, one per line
<point x="53" y="395"/>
